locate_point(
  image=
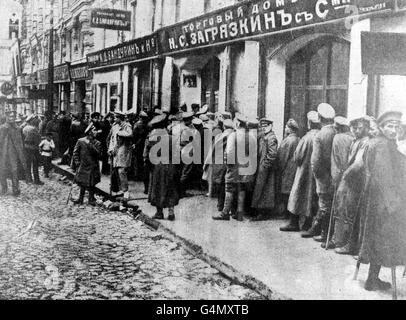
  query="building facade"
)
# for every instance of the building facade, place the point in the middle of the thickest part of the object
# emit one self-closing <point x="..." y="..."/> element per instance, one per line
<point x="274" y="58"/>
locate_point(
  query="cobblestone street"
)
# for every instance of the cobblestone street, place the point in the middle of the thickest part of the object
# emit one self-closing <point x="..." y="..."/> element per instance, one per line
<point x="50" y="250"/>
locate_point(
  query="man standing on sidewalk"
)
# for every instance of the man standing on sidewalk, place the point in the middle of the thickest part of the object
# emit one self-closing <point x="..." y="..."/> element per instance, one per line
<point x="140" y="134"/>
<point x="86" y="155"/>
<point x="12" y="157"/>
<point x="303" y="198"/>
<point x="286" y="164"/>
<point x="383" y="213"/>
<point x="321" y="166"/>
<point x="263" y="199"/>
<point x="32" y="140"/>
<point x="119" y="149"/>
<point x="241" y="156"/>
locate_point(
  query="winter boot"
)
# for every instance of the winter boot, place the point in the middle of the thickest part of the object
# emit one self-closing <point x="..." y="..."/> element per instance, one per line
<point x="171" y="216"/>
<point x="240" y="206"/>
<point x="92" y="199"/>
<point x="4" y="187"/>
<point x="15" y="186"/>
<point x="228" y="202"/>
<point x="293" y="225"/>
<point x="79" y="201"/>
<point x="314" y="231"/>
<point x="373" y="282"/>
<point x="159" y="215"/>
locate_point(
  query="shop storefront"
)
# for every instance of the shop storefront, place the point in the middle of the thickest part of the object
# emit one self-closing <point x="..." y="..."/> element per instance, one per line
<point x="125" y="77"/>
<point x="269" y="58"/>
<point x="62" y="87"/>
<point x="81" y="89"/>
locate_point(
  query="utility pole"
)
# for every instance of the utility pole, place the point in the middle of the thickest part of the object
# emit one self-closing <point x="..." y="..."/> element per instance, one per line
<point x="51" y="60"/>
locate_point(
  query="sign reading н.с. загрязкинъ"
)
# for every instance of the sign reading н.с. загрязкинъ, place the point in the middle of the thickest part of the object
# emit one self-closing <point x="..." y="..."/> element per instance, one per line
<point x="111" y="19"/>
<point x="254" y="18"/>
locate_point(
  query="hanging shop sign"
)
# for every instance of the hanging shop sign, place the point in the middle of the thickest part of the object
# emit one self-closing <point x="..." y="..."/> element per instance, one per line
<point x="61" y="73"/>
<point x="111" y="19"/>
<point x="256" y="18"/>
<point x="79" y="72"/>
<point x="133" y="50"/>
<point x="36" y="94"/>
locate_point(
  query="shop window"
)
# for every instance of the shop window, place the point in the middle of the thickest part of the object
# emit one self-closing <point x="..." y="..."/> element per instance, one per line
<point x="103" y="98"/>
<point x="114" y="98"/>
<point x="211" y="83"/>
<point x="144" y="86"/>
<point x="315" y="74"/>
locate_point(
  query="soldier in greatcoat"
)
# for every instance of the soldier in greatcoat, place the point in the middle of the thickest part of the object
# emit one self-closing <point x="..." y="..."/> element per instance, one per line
<point x="32" y="140"/>
<point x="349" y="191"/>
<point x="86" y="155"/>
<point x="13" y="163"/>
<point x="263" y="198"/>
<point x="286" y="164"/>
<point x="140" y="134"/>
<point x="321" y="166"/>
<point x="303" y="198"/>
<point x="383" y="204"/>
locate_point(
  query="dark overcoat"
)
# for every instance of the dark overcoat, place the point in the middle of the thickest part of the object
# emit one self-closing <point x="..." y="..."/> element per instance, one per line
<point x="286" y="163"/>
<point x="12" y="157"/>
<point x="86" y="156"/>
<point x="383" y="205"/>
<point x="264" y="190"/>
<point x="140" y="134"/>
<point x="303" y="197"/>
<point x="348" y="194"/>
<point x="164" y="177"/>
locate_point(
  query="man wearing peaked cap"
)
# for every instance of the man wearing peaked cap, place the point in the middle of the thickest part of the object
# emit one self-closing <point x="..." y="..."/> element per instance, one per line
<point x="228" y="123"/>
<point x="303" y="197"/>
<point x="341" y="121"/>
<point x="32" y="139"/>
<point x="204" y="117"/>
<point x="119" y="150"/>
<point x="203" y="110"/>
<point x="157" y="120"/>
<point x="321" y="165"/>
<point x="86" y="156"/>
<point x="140" y="134"/>
<point x="326" y="111"/>
<point x="287" y="166"/>
<point x="383" y="206"/>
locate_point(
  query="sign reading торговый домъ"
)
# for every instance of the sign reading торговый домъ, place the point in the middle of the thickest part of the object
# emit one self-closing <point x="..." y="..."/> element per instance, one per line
<point x="111" y="19"/>
<point x="255" y="18"/>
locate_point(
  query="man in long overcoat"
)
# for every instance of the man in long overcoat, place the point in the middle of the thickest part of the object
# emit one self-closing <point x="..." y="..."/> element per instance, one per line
<point x="349" y="191"/>
<point x="263" y="198"/>
<point x="383" y="213"/>
<point x="32" y="140"/>
<point x="12" y="158"/>
<point x="321" y="165"/>
<point x="119" y="149"/>
<point x="241" y="160"/>
<point x="286" y="164"/>
<point x="86" y="155"/>
<point x="303" y="198"/>
<point x="140" y="134"/>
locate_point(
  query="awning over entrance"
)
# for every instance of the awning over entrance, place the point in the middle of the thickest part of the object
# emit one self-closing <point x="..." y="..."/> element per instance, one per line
<point x="192" y="62"/>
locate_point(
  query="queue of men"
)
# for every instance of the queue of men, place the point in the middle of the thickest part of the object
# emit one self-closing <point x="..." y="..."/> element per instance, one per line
<point x="341" y="184"/>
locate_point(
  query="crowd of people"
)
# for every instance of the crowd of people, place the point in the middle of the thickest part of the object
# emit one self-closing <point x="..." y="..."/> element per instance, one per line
<point x="343" y="183"/>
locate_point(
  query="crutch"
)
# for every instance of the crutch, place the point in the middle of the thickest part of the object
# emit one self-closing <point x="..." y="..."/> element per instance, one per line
<point x="394" y="288"/>
<point x="404" y="273"/>
<point x="330" y="225"/>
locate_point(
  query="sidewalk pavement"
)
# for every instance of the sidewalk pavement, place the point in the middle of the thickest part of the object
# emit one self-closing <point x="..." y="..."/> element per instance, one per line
<point x="279" y="265"/>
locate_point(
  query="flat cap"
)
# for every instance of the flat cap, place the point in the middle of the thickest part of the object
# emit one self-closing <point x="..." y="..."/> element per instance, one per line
<point x="326" y="111"/>
<point x="119" y="114"/>
<point x="390" y="116"/>
<point x="197" y="121"/>
<point x="266" y="120"/>
<point x="341" y="121"/>
<point x="187" y="115"/>
<point x="75" y="115"/>
<point x="157" y="111"/>
<point x="157" y="119"/>
<point x="31" y="117"/>
<point x="143" y="114"/>
<point x="204" y="109"/>
<point x="204" y="117"/>
<point x="228" y="123"/>
<point x="313" y="116"/>
<point x="292" y="124"/>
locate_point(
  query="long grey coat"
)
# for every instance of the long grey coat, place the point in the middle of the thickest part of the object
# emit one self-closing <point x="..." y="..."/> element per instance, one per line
<point x="120" y="144"/>
<point x="303" y="197"/>
<point x="86" y="156"/>
<point x="286" y="163"/>
<point x="264" y="191"/>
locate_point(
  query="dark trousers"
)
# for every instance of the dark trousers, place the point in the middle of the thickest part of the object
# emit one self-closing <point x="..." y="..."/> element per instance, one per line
<point x="47" y="165"/>
<point x="14" y="183"/>
<point x="32" y="157"/>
